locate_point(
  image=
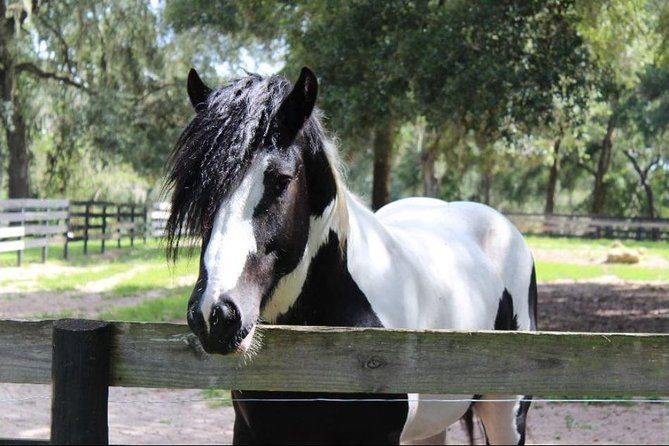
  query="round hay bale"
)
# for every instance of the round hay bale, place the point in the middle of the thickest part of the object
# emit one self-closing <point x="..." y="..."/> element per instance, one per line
<point x="620" y="254"/>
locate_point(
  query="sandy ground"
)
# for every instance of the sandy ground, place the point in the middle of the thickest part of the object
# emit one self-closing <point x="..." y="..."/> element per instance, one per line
<point x="150" y="416"/>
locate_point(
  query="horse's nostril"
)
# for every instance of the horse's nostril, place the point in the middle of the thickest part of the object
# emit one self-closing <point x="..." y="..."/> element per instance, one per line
<point x="223" y="313"/>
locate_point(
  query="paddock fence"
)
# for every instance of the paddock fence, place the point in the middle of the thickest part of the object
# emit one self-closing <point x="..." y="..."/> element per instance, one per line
<point x="591" y="227"/>
<point x="106" y="221"/>
<point x="81" y="359"/>
<point x="29" y="223"/>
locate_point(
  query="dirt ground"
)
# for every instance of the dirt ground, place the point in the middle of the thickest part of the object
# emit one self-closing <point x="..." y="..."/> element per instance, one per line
<point x="149" y="416"/>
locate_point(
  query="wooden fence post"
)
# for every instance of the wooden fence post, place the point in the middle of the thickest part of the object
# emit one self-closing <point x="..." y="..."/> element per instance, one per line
<point x="87" y="220"/>
<point x="147" y="222"/>
<point x="80" y="378"/>
<point x="68" y="222"/>
<point x="104" y="227"/>
<point x="19" y="253"/>
<point x="119" y="230"/>
<point x="133" y="229"/>
<point x="45" y="248"/>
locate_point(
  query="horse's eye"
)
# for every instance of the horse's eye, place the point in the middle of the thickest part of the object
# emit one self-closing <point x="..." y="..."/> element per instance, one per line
<point x="281" y="182"/>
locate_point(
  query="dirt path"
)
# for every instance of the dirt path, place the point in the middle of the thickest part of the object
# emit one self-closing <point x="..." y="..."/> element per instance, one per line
<point x="149" y="416"/>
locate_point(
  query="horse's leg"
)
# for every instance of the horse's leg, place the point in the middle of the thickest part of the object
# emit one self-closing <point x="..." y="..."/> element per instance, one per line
<point x="503" y="421"/>
<point x="430" y="415"/>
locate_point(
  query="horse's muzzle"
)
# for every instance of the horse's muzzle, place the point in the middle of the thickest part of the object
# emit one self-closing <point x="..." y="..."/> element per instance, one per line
<point x="224" y="332"/>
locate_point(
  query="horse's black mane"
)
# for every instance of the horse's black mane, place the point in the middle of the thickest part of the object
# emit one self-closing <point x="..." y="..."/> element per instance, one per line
<point x="216" y="148"/>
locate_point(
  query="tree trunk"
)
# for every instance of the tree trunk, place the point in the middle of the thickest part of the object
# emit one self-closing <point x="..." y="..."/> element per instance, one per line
<point x="383" y="155"/>
<point x="552" y="179"/>
<point x="643" y="178"/>
<point x="603" y="165"/>
<point x="19" y="180"/>
<point x="428" y="158"/>
<point x="11" y="117"/>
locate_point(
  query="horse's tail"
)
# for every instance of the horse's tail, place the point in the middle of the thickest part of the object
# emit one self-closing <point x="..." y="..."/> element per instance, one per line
<point x="532" y="298"/>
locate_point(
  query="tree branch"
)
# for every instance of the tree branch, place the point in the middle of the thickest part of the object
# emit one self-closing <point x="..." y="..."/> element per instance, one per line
<point x="631" y="156"/>
<point x="582" y="165"/>
<point x="33" y="69"/>
<point x="61" y="40"/>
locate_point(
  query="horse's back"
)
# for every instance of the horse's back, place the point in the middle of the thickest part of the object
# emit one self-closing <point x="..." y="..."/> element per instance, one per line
<point x="485" y="242"/>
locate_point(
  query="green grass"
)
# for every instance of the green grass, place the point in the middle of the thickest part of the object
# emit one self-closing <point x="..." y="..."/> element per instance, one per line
<point x="660" y="248"/>
<point x="548" y="271"/>
<point x="68" y="282"/>
<point x="169" y="308"/>
<point x="140" y="272"/>
<point x="155" y="275"/>
<point x="584" y="248"/>
<point x="159" y="276"/>
<point x="151" y="251"/>
<point x="217" y="397"/>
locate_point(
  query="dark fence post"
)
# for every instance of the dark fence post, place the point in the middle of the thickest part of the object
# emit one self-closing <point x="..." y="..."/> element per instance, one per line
<point x="104" y="227"/>
<point x="147" y="222"/>
<point x="133" y="230"/>
<point x="80" y="377"/>
<point x="87" y="222"/>
<point x="68" y="223"/>
<point x="119" y="230"/>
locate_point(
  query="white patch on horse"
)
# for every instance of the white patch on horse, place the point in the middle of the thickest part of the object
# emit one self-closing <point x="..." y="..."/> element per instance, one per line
<point x="232" y="238"/>
<point x="289" y="287"/>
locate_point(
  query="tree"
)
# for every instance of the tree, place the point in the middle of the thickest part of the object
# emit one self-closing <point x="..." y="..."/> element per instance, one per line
<point x="87" y="82"/>
<point x="622" y="38"/>
<point x="480" y="64"/>
<point x="12" y="18"/>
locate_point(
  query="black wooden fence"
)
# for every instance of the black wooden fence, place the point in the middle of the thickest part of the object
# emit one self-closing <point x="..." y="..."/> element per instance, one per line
<point x="106" y="221"/>
<point x="591" y="227"/>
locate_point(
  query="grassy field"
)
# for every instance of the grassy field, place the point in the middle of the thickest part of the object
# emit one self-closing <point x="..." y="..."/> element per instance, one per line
<point x="134" y="272"/>
<point x="118" y="273"/>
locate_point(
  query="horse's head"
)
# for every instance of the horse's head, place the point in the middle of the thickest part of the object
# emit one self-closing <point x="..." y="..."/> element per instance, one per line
<point x="241" y="179"/>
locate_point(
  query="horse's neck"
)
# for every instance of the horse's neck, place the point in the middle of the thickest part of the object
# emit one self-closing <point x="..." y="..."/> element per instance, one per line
<point x="370" y="246"/>
<point x="321" y="290"/>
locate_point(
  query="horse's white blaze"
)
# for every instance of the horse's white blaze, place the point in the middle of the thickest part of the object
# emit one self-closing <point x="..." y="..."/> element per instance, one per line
<point x="232" y="238"/>
<point x="289" y="287"/>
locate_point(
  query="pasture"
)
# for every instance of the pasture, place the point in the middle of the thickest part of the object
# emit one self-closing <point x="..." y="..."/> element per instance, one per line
<point x="578" y="292"/>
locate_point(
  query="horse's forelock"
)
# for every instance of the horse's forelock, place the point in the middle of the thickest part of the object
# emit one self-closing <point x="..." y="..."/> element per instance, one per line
<point x="215" y="150"/>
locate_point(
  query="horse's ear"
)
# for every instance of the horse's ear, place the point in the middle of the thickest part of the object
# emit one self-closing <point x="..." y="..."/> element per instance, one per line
<point x="298" y="105"/>
<point x="198" y="92"/>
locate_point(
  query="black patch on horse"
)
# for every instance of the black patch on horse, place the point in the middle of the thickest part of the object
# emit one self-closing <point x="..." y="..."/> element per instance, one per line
<point x="505" y="319"/>
<point x="532" y="297"/>
<point x="330" y="297"/>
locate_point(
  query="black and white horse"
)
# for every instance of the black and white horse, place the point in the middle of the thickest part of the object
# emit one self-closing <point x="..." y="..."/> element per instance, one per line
<point x="283" y="241"/>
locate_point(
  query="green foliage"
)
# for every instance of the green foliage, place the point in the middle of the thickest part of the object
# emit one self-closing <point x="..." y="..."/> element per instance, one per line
<point x="487" y="86"/>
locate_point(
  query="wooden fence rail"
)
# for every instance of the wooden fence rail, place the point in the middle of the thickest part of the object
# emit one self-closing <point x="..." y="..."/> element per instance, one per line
<point x="32" y="223"/>
<point x="365" y="360"/>
<point x="330" y="359"/>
